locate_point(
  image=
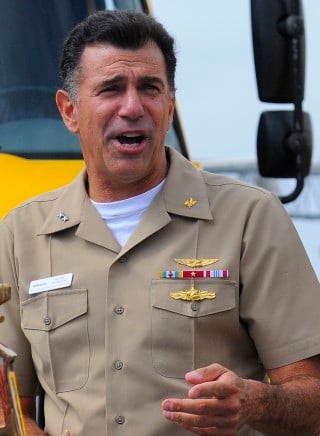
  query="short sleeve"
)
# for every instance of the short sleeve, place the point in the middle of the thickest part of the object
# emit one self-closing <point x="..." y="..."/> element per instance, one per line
<point x="280" y="293"/>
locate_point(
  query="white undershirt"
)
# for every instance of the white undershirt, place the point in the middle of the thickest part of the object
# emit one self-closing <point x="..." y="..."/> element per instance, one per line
<point x="123" y="216"/>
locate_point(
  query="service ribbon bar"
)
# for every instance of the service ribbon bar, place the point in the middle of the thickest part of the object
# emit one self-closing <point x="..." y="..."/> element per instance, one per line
<point x="191" y="274"/>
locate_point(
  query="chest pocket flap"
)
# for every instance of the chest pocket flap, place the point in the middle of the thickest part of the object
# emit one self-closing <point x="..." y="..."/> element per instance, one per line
<point x="53" y="309"/>
<point x="175" y="296"/>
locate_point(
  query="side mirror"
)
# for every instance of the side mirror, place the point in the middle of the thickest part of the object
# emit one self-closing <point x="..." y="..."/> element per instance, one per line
<point x="282" y="152"/>
<point x="284" y="142"/>
<point x="277" y="25"/>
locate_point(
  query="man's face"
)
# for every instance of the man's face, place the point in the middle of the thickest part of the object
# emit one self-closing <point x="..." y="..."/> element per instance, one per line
<point x="123" y="111"/>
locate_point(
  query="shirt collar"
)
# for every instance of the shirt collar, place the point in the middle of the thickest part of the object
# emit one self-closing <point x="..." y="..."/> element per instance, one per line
<point x="67" y="206"/>
<point x="184" y="193"/>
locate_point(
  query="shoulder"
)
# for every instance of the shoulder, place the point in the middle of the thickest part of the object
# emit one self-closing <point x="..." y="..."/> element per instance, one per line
<point x="227" y="182"/>
<point x="219" y="191"/>
<point x="32" y="223"/>
<point x="255" y="207"/>
<point x="36" y="210"/>
<point x="34" y="204"/>
<point x="25" y="220"/>
<point x="233" y="191"/>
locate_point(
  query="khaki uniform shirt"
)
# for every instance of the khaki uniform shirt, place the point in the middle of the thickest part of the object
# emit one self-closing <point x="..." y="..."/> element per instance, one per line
<point x="109" y="347"/>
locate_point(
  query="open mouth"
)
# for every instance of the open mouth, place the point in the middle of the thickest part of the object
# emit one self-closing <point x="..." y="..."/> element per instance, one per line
<point x="131" y="139"/>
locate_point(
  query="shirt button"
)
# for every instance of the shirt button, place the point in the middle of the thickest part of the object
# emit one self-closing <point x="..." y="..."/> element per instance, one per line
<point x="118" y="365"/>
<point x="120" y="419"/>
<point x="119" y="309"/>
<point x="47" y="320"/>
<point x="123" y="259"/>
<point x="194" y="306"/>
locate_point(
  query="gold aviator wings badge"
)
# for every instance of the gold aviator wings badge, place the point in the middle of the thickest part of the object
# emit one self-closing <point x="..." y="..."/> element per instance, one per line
<point x="196" y="263"/>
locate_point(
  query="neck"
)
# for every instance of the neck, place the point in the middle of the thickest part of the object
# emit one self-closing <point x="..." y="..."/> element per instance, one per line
<point x="108" y="192"/>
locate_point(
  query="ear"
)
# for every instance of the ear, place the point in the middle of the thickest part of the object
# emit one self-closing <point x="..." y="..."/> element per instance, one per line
<point x="171" y="110"/>
<point x="67" y="110"/>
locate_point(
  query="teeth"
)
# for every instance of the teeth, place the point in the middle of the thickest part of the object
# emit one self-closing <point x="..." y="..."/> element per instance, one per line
<point x="130" y="139"/>
<point x="131" y="135"/>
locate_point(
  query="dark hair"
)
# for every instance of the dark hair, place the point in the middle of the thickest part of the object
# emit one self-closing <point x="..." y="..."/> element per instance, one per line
<point x="121" y="28"/>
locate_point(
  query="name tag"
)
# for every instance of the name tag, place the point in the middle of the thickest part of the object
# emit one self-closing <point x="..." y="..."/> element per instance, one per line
<point x="50" y="283"/>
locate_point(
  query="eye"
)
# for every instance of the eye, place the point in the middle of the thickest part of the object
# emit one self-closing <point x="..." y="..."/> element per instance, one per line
<point x="151" y="88"/>
<point x="110" y="89"/>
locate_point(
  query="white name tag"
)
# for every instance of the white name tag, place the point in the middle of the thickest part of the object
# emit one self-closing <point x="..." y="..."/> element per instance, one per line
<point x="50" y="283"/>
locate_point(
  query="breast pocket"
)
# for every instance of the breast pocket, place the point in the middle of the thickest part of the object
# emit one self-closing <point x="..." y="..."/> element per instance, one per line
<point x="186" y="330"/>
<point x="55" y="323"/>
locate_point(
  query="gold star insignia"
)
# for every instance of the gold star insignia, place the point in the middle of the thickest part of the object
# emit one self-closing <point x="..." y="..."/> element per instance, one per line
<point x="190" y="202"/>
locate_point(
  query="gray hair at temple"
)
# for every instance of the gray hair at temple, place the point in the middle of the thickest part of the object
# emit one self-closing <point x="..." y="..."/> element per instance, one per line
<point x="123" y="29"/>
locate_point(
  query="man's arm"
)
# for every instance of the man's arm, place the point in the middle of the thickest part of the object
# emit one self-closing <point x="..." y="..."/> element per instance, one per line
<point x="290" y="403"/>
<point x="220" y="402"/>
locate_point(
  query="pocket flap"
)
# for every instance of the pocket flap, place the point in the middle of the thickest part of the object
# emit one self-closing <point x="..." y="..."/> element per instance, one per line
<point x="53" y="309"/>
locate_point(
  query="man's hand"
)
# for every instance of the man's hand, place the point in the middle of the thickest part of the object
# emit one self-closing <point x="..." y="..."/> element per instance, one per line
<point x="220" y="402"/>
<point x="214" y="406"/>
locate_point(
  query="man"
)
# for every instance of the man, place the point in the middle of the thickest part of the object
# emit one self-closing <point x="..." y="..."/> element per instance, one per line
<point x="151" y="298"/>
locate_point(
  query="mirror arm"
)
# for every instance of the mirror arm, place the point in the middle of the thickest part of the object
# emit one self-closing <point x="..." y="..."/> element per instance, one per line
<point x="293" y="27"/>
<point x="298" y="189"/>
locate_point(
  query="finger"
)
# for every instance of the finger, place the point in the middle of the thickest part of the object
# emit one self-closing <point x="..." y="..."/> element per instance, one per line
<point x="212" y="407"/>
<point x="187" y="420"/>
<point x="213" y="431"/>
<point x="208" y="373"/>
<point x="213" y="389"/>
<point x="201" y="424"/>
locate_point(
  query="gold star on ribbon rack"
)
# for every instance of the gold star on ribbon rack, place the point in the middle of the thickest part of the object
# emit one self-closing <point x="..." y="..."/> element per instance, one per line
<point x="190" y="202"/>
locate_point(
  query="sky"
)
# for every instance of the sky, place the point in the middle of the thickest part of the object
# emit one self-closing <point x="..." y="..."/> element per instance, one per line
<point x="216" y="85"/>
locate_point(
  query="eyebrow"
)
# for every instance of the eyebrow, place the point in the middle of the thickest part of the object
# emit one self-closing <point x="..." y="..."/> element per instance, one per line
<point x="122" y="79"/>
<point x="108" y="82"/>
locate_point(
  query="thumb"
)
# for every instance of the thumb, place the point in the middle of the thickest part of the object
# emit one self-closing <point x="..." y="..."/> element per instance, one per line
<point x="207" y="373"/>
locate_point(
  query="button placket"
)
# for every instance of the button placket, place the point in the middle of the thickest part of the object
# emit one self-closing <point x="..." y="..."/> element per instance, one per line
<point x="118" y="364"/>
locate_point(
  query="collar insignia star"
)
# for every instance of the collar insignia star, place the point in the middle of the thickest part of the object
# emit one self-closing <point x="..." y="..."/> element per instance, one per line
<point x="63" y="217"/>
<point x="190" y="202"/>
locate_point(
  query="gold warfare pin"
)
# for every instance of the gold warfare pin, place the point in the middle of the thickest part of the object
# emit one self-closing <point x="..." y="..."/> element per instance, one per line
<point x="193" y="294"/>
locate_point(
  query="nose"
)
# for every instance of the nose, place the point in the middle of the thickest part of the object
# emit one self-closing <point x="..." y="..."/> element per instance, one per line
<point x="131" y="106"/>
